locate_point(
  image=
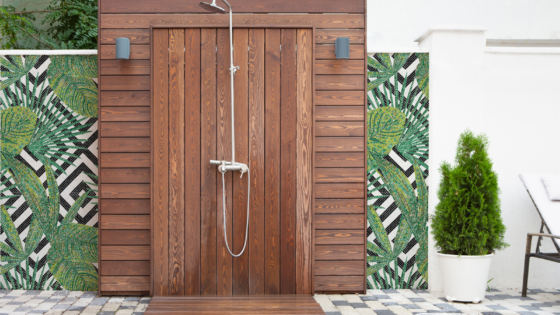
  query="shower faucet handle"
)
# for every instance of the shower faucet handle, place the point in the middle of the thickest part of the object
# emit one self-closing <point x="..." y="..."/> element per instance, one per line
<point x="244" y="169"/>
<point x="234" y="69"/>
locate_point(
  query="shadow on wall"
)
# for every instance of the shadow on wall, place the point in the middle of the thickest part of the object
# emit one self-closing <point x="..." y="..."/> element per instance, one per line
<point x="48" y="172"/>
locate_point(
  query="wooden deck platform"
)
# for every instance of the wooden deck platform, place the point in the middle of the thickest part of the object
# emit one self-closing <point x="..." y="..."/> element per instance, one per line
<point x="238" y="304"/>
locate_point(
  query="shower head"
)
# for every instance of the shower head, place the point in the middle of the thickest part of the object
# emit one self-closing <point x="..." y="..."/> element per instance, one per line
<point x="212" y="7"/>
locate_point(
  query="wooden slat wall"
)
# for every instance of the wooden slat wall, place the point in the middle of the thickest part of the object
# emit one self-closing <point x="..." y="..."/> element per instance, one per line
<point x="338" y="129"/>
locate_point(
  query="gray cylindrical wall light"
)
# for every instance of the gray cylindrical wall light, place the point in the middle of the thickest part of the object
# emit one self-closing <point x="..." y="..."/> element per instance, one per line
<point x="342" y="48"/>
<point x="123" y="48"/>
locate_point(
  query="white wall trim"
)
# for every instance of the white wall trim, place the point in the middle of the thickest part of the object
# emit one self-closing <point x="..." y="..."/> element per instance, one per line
<point x="452" y="28"/>
<point x="376" y="50"/>
<point x="48" y="52"/>
<point x="522" y="50"/>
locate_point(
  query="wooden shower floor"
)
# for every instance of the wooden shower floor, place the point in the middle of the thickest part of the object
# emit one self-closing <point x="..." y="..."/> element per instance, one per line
<point x="238" y="304"/>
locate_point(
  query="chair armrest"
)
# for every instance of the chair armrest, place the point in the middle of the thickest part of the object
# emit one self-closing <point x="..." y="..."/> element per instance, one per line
<point x="543" y="235"/>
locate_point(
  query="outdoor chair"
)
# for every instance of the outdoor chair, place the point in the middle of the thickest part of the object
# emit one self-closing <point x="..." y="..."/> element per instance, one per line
<point x="549" y="212"/>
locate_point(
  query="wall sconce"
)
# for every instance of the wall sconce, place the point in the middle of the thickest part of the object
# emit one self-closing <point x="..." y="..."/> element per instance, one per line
<point x="342" y="48"/>
<point x="123" y="48"/>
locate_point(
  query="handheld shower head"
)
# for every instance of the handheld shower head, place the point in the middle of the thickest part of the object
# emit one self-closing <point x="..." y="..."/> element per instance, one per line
<point x="212" y="7"/>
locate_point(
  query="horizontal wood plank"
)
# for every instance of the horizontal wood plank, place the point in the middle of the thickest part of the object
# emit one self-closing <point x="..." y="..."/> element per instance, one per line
<point x="125" y="252"/>
<point x="124" y="206"/>
<point x="339" y="67"/>
<point x="124" y="283"/>
<point x="136" y="36"/>
<point x="124" y="129"/>
<point x="339" y="268"/>
<point x="339" y="113"/>
<point x="137" y="52"/>
<point x="339" y="237"/>
<point x="326" y="52"/>
<point x="343" y="82"/>
<point x="124" y="67"/>
<point x="339" y="283"/>
<point x="124" y="145"/>
<point x="124" y="98"/>
<point x="339" y="221"/>
<point x="339" y="191"/>
<point x="339" y="144"/>
<point x="125" y="268"/>
<point x="339" y="129"/>
<point x="334" y="206"/>
<point x="125" y="222"/>
<point x="124" y="114"/>
<point x="125" y="191"/>
<point x="339" y="252"/>
<point x="125" y="237"/>
<point x="340" y="175"/>
<point x="128" y="160"/>
<point x="339" y="98"/>
<point x="124" y="175"/>
<point x="125" y="83"/>
<point x="339" y="160"/>
<point x="329" y="36"/>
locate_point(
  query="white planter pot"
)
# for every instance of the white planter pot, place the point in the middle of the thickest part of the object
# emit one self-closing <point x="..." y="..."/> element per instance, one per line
<point x="464" y="277"/>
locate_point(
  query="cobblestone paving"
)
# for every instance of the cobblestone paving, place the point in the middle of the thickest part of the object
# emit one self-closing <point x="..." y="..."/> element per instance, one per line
<point x="408" y="302"/>
<point x="376" y="302"/>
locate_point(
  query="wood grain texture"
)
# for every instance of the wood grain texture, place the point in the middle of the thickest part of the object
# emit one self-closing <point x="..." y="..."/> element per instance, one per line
<point x="339" y="159"/>
<point x="124" y="129"/>
<point x="339" y="283"/>
<point x="339" y="191"/>
<point x="124" y="114"/>
<point x="223" y="259"/>
<point x="125" y="98"/>
<point x="339" y="237"/>
<point x="335" y="206"/>
<point x="244" y="6"/>
<point x="125" y="252"/>
<point x="240" y="277"/>
<point x="126" y="237"/>
<point x="124" y="283"/>
<point x="192" y="161"/>
<point x="339" y="268"/>
<point x="125" y="175"/>
<point x="272" y="162"/>
<point x="125" y="83"/>
<point x="304" y="215"/>
<point x="125" y="206"/>
<point x="288" y="138"/>
<point x="326" y="52"/>
<point x="208" y="273"/>
<point x="124" y="67"/>
<point x="125" y="268"/>
<point x="176" y="162"/>
<point x="329" y="36"/>
<point x="256" y="151"/>
<point x="339" y="67"/>
<point x="339" y="129"/>
<point x="160" y="193"/>
<point x="339" y="252"/>
<point x="339" y="175"/>
<point x="346" y="82"/>
<point x="339" y="98"/>
<point x="138" y="145"/>
<point x="124" y="191"/>
<point x="122" y="21"/>
<point x="339" y="144"/>
<point x="339" y="221"/>
<point x="339" y="113"/>
<point x="125" y="222"/>
<point x="120" y="160"/>
<point x="137" y="52"/>
<point x="136" y="36"/>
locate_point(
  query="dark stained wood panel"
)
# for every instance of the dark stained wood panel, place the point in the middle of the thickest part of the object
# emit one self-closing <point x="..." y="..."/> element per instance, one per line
<point x="125" y="98"/>
<point x="323" y="36"/>
<point x="125" y="253"/>
<point x="125" y="191"/>
<point x="339" y="237"/>
<point x="125" y="175"/>
<point x="339" y="221"/>
<point x="124" y="145"/>
<point x="339" y="191"/>
<point x="339" y="129"/>
<point x="339" y="252"/>
<point x="339" y="268"/>
<point x="339" y="67"/>
<point x="337" y="283"/>
<point x="125" y="222"/>
<point x="137" y="52"/>
<point x="121" y="21"/>
<point x="335" y="206"/>
<point x="345" y="159"/>
<point x="339" y="144"/>
<point x="125" y="83"/>
<point x="124" y="114"/>
<point x="339" y="113"/>
<point x="339" y="98"/>
<point x="241" y="6"/>
<point x="120" y="160"/>
<point x="346" y="82"/>
<point x="136" y="36"/>
<point x="126" y="237"/>
<point x="339" y="175"/>
<point x="124" y="129"/>
<point x="124" y="67"/>
<point x="125" y="268"/>
<point x="326" y="52"/>
<point x="124" y="283"/>
<point x="125" y="206"/>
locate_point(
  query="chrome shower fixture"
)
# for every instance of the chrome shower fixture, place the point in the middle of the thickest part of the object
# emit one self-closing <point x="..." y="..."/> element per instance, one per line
<point x="213" y="7"/>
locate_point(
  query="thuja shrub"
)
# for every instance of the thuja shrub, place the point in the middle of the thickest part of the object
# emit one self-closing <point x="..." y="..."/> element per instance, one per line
<point x="468" y="219"/>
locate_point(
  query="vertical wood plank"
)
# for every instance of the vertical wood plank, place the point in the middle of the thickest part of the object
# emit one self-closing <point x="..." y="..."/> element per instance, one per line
<point x="256" y="151"/>
<point x="176" y="162"/>
<point x="272" y="161"/>
<point x="224" y="259"/>
<point x="304" y="158"/>
<point x="240" y="276"/>
<point x="160" y="162"/>
<point x="288" y="119"/>
<point x="192" y="161"/>
<point x="208" y="280"/>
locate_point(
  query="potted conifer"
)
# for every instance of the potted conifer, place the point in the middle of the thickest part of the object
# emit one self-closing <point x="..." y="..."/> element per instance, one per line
<point x="467" y="225"/>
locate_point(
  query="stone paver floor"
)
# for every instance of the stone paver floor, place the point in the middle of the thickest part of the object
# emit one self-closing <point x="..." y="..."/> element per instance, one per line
<point x="380" y="302"/>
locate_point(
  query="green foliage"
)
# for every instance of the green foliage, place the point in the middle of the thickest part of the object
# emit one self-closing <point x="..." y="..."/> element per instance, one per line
<point x="423" y="74"/>
<point x="468" y="219"/>
<point x="72" y="24"/>
<point x="16" y="129"/>
<point x="385" y="126"/>
<point x="16" y="68"/>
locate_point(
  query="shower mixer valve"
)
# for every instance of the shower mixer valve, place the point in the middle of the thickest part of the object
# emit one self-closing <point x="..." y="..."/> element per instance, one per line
<point x="234" y="68"/>
<point x="225" y="166"/>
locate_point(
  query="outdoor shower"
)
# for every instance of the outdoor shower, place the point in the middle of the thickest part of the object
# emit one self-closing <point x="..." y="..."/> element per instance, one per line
<point x="225" y="166"/>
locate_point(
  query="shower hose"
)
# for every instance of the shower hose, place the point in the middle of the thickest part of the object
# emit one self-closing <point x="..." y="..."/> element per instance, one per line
<point x="224" y="210"/>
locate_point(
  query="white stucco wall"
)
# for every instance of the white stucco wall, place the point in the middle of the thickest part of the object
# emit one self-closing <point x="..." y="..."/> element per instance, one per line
<point x="513" y="98"/>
